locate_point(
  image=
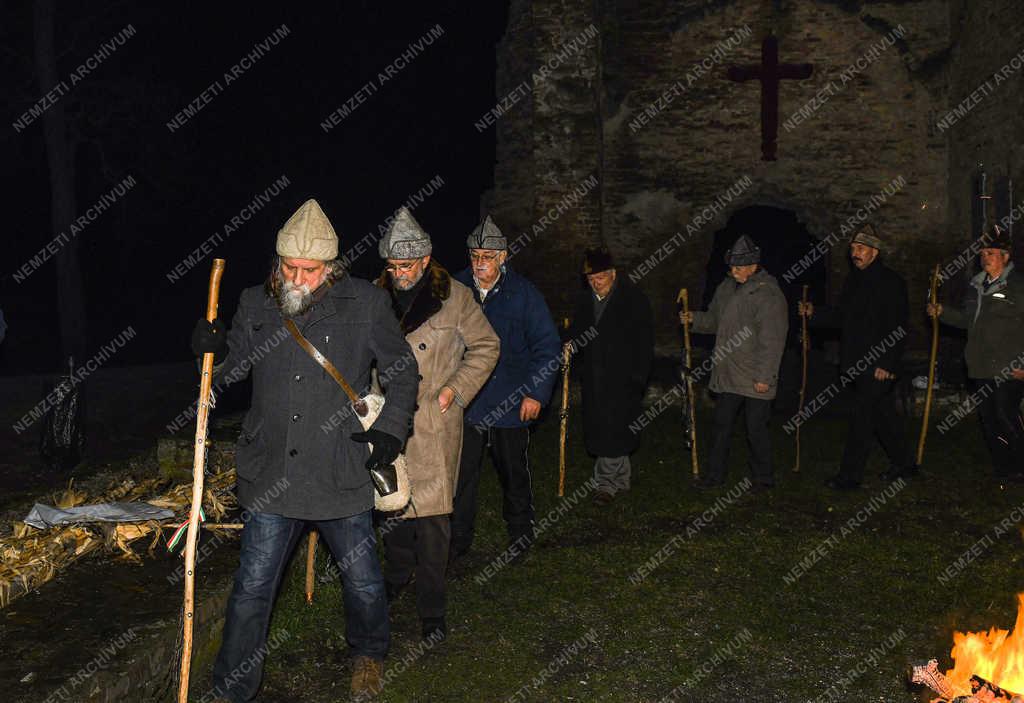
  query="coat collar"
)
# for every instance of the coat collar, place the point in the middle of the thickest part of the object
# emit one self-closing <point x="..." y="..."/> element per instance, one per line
<point x="427" y="302"/>
<point x="342" y="288"/>
<point x="979" y="279"/>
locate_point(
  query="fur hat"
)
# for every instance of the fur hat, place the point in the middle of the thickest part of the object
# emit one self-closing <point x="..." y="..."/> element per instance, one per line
<point x="405" y="239"/>
<point x="743" y="253"/>
<point x="597" y="260"/>
<point x="308" y="235"/>
<point x="486" y="235"/>
<point x="868" y="236"/>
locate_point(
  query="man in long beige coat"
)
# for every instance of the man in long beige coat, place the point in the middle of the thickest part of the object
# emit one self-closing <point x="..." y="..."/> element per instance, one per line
<point x="455" y="349"/>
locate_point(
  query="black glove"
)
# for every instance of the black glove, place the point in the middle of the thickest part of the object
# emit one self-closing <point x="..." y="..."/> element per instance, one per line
<point x="380" y="464"/>
<point x="210" y="337"/>
<point x="385" y="447"/>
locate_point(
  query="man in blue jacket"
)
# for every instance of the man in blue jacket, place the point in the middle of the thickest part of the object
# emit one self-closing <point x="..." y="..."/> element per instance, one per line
<point x="513" y="396"/>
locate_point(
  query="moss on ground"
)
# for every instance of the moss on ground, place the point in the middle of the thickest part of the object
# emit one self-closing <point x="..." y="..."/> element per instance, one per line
<point x="716" y="617"/>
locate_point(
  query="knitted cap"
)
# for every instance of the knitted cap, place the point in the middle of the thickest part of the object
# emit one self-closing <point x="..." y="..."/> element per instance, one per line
<point x="597" y="260"/>
<point x="486" y="235"/>
<point x="405" y="239"/>
<point x="868" y="236"/>
<point x="743" y="253"/>
<point x="308" y="235"/>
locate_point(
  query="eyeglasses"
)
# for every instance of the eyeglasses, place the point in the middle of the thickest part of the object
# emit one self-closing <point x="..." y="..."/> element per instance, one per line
<point x="401" y="268"/>
<point x="483" y="258"/>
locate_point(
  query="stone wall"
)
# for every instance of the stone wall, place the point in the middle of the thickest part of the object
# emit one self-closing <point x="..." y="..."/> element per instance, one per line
<point x="666" y="134"/>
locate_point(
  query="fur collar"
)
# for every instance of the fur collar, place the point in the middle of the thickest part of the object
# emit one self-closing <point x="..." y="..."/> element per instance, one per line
<point x="427" y="302"/>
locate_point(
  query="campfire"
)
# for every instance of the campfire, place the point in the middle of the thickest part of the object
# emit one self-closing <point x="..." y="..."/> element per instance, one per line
<point x="988" y="666"/>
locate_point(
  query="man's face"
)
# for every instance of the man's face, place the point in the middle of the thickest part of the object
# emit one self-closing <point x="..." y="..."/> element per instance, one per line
<point x="862" y="255"/>
<point x="487" y="264"/>
<point x="741" y="273"/>
<point x="299" y="278"/>
<point x="601" y="282"/>
<point x="405" y="273"/>
<point x="994" y="261"/>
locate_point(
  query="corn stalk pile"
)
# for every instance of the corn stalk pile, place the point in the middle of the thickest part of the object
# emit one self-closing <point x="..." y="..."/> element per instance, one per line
<point x="30" y="557"/>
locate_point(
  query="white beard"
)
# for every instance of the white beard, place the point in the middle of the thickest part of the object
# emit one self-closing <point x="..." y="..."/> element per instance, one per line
<point x="294" y="300"/>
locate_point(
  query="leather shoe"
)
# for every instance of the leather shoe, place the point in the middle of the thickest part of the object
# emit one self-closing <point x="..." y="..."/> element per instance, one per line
<point x="838" y="483"/>
<point x="367" y="677"/>
<point x="435" y="630"/>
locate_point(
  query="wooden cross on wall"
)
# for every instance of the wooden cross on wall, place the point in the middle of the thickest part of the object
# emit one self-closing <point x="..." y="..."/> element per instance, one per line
<point x="770" y="72"/>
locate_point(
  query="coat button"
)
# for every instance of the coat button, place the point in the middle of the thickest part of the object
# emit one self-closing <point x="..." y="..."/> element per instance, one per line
<point x="293" y="452"/>
<point x="298" y="377"/>
<point x="422" y="346"/>
<point x="295" y="417"/>
<point x="419" y="376"/>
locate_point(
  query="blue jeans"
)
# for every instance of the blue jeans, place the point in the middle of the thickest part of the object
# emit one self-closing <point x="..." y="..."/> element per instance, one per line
<point x="267" y="542"/>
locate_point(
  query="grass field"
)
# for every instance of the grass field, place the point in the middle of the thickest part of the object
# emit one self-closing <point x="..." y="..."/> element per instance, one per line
<point x="670" y="593"/>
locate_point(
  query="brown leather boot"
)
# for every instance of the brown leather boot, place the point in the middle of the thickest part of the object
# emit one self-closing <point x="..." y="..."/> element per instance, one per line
<point x="367" y="677"/>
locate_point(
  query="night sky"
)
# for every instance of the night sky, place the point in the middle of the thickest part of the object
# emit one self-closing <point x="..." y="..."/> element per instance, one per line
<point x="266" y="123"/>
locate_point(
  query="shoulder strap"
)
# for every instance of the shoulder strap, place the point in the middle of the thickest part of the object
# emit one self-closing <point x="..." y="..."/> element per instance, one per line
<point x="357" y="404"/>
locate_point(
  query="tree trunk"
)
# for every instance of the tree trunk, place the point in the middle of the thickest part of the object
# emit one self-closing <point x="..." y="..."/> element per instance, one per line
<point x="60" y="157"/>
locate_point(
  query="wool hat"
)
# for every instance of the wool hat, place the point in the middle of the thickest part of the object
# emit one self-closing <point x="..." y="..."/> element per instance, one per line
<point x="743" y="253"/>
<point x="997" y="238"/>
<point x="868" y="236"/>
<point x="308" y="235"/>
<point x="405" y="239"/>
<point x="486" y="235"/>
<point x="597" y="260"/>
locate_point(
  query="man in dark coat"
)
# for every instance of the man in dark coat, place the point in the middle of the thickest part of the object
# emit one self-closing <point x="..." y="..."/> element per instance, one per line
<point x="748" y="317"/>
<point x="873" y="320"/>
<point x="512" y="398"/>
<point x="302" y="454"/>
<point x="616" y="363"/>
<point x="993" y="315"/>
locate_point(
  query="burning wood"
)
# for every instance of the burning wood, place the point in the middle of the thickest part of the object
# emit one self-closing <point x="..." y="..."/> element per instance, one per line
<point x="988" y="666"/>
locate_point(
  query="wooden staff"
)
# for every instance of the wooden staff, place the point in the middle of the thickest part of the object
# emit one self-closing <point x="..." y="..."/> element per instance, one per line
<point x="310" y="559"/>
<point x="805" y="345"/>
<point x="198" y="467"/>
<point x="684" y="296"/>
<point x="934" y="293"/>
<point x="564" y="415"/>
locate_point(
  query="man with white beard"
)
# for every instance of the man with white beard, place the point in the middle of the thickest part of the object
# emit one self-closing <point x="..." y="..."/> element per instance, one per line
<point x="290" y="470"/>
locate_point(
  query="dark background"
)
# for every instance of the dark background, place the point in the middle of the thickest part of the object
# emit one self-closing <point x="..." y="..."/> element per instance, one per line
<point x="266" y="123"/>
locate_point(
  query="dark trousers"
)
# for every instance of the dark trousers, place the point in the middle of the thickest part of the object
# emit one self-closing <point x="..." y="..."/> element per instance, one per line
<point x="419" y="545"/>
<point x="509" y="451"/>
<point x="1001" y="424"/>
<point x="267" y="542"/>
<point x="873" y="413"/>
<point x="757" y="413"/>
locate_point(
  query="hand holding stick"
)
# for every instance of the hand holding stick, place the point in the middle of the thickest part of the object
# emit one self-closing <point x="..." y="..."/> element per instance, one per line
<point x="805" y="345"/>
<point x="685" y="298"/>
<point x="564" y="415"/>
<point x="933" y="303"/>
<point x="198" y="467"/>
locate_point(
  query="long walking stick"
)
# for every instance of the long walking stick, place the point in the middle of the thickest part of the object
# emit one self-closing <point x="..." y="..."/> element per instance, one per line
<point x="934" y="293"/>
<point x="805" y="345"/>
<point x="685" y="297"/>
<point x="198" y="467"/>
<point x="564" y="416"/>
<point x="310" y="561"/>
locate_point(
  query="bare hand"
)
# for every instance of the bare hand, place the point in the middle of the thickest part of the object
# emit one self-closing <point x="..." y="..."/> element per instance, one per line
<point x="760" y="387"/>
<point x="445" y="398"/>
<point x="883" y="375"/>
<point x="686" y="318"/>
<point x="1018" y="374"/>
<point x="529" y="409"/>
<point x="804" y="309"/>
<point x="934" y="309"/>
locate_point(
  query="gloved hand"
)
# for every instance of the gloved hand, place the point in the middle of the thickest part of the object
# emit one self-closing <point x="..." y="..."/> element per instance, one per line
<point x="385" y="447"/>
<point x="210" y="337"/>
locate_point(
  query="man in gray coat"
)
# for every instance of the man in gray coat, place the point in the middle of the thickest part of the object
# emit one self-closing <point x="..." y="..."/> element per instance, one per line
<point x="748" y="317"/>
<point x="302" y="454"/>
<point x="993" y="315"/>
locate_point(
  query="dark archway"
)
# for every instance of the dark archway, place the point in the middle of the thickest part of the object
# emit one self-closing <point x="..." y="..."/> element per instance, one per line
<point x="784" y="242"/>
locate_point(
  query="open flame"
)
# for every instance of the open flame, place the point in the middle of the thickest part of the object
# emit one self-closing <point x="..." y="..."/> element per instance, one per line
<point x="997" y="656"/>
